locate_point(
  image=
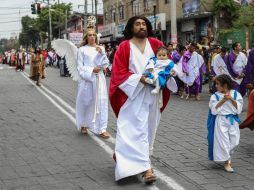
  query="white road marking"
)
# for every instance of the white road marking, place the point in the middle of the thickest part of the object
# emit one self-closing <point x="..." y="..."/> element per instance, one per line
<point x="171" y="183"/>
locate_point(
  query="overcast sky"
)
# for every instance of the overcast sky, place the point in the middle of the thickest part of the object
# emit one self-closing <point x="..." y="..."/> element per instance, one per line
<point x="10" y="24"/>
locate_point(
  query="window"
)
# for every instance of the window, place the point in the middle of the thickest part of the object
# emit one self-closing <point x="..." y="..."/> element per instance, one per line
<point x="106" y="17"/>
<point x="146" y="8"/>
<point x="121" y="12"/>
<point x="113" y="15"/>
<point x="135" y="7"/>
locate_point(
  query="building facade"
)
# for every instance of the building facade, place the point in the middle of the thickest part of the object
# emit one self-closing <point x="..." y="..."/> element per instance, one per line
<point x="196" y="20"/>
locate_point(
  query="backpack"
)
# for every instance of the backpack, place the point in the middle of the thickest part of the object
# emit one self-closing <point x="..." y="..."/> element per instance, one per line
<point x="210" y="127"/>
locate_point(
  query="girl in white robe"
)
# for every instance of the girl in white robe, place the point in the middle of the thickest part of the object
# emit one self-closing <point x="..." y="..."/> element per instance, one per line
<point x="226" y="106"/>
<point x="92" y="97"/>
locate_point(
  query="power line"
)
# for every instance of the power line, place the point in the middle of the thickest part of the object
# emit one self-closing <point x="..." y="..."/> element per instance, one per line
<point x="9" y="21"/>
<point x="15" y="13"/>
<point x="14" y="7"/>
<point x="10" y="30"/>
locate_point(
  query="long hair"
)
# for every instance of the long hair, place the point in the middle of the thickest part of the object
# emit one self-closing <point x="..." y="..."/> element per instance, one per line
<point x="37" y="51"/>
<point x="84" y="40"/>
<point x="225" y="79"/>
<point x="128" y="30"/>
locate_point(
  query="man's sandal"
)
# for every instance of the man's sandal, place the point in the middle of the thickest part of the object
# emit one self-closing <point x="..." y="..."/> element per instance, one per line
<point x="83" y="130"/>
<point x="104" y="135"/>
<point x="148" y="177"/>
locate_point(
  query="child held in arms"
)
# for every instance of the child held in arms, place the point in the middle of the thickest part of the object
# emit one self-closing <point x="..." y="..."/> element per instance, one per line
<point x="159" y="69"/>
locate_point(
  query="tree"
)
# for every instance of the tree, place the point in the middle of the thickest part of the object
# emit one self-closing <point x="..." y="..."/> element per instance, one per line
<point x="57" y="16"/>
<point x="34" y="30"/>
<point x="226" y="9"/>
<point x="30" y="32"/>
<point x="246" y="17"/>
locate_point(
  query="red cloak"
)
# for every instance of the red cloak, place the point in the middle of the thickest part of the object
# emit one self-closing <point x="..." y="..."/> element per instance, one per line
<point x="249" y="121"/>
<point x="120" y="73"/>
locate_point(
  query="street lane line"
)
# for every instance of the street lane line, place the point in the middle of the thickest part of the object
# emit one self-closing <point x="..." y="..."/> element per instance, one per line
<point x="168" y="181"/>
<point x="66" y="105"/>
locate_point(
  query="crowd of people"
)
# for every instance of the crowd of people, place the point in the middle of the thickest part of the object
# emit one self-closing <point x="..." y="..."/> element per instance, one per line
<point x="141" y="63"/>
<point x="35" y="57"/>
<point x="143" y="72"/>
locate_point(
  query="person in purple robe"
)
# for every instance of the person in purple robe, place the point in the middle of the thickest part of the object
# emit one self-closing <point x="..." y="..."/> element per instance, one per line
<point x="236" y="62"/>
<point x="192" y="65"/>
<point x="175" y="54"/>
<point x="249" y="73"/>
<point x="176" y="57"/>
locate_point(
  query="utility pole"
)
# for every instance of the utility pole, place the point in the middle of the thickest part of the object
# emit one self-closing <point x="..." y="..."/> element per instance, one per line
<point x="59" y="29"/>
<point x="92" y="7"/>
<point x="66" y="20"/>
<point x="50" y="26"/>
<point x="96" y="24"/>
<point x="173" y="23"/>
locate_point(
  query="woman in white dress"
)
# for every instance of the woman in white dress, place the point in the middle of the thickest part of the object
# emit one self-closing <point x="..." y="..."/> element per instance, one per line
<point x="92" y="97"/>
<point x="226" y="104"/>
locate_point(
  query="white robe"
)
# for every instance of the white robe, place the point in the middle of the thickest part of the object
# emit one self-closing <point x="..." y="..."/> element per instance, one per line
<point x="239" y="65"/>
<point x="92" y="97"/>
<point x="138" y="119"/>
<point x="219" y="66"/>
<point x="193" y="66"/>
<point x="226" y="135"/>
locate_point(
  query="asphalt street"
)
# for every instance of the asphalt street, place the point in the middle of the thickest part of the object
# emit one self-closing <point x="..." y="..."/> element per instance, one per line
<point x="40" y="147"/>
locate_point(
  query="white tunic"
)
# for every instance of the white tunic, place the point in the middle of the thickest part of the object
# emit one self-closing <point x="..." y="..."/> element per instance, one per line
<point x="239" y="65"/>
<point x="138" y="119"/>
<point x="226" y="135"/>
<point x="193" y="66"/>
<point x="219" y="65"/>
<point x="92" y="97"/>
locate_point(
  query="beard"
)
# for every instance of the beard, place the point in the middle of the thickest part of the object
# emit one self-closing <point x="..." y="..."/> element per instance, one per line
<point x="140" y="34"/>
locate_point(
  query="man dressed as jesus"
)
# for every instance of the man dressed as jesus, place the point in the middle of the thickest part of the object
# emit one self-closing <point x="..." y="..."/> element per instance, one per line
<point x="138" y="111"/>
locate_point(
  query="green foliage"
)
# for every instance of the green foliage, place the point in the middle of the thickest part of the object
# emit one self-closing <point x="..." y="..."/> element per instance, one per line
<point x="35" y="29"/>
<point x="30" y="32"/>
<point x="246" y="17"/>
<point x="57" y="16"/>
<point x="8" y="44"/>
<point x="228" y="8"/>
<point x="226" y="5"/>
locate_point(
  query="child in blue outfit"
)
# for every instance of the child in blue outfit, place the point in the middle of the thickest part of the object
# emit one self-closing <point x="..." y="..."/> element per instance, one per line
<point x="223" y="122"/>
<point x="159" y="69"/>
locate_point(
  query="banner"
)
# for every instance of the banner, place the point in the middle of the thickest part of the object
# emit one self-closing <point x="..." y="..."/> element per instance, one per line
<point x="190" y="7"/>
<point x="76" y="38"/>
<point x="160" y="21"/>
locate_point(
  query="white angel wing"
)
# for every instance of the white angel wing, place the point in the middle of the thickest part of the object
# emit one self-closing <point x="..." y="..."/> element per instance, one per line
<point x="70" y="51"/>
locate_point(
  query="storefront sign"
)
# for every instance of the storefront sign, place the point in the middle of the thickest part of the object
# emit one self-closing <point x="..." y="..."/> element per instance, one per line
<point x="120" y="29"/>
<point x="106" y="30"/>
<point x="76" y="38"/>
<point x="160" y="21"/>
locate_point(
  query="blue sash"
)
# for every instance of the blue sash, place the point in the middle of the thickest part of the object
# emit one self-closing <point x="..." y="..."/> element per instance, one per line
<point x="163" y="76"/>
<point x="211" y="123"/>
